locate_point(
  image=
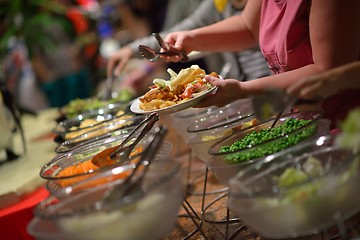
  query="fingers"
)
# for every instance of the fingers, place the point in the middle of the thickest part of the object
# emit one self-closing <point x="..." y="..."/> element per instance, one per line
<point x="217" y="82"/>
<point x="118" y="60"/>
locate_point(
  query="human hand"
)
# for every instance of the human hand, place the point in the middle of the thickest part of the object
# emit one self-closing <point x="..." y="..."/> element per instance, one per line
<point x="317" y="87"/>
<point x="179" y="42"/>
<point x="118" y="60"/>
<point x="228" y="91"/>
<point x="140" y="78"/>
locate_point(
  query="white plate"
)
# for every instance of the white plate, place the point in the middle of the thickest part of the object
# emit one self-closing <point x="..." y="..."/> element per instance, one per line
<point x="135" y="106"/>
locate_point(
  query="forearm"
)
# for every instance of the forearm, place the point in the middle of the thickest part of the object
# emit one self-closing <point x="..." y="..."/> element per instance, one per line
<point x="232" y="33"/>
<point x="348" y="74"/>
<point x="204" y="15"/>
<point x="282" y="80"/>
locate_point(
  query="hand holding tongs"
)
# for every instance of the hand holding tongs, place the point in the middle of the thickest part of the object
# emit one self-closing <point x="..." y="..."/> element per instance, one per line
<point x="152" y="55"/>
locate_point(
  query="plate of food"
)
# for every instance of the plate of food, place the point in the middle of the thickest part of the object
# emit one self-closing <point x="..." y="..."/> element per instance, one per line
<point x="183" y="90"/>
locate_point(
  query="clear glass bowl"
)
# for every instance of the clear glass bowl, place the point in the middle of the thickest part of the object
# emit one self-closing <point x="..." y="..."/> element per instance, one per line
<point x="299" y="192"/>
<point x="70" y="145"/>
<point x="89" y="125"/>
<point x="79" y="160"/>
<point x="209" y="128"/>
<point x="222" y="164"/>
<point x="60" y="187"/>
<point x="90" y="119"/>
<point x="104" y="128"/>
<point x="87" y="216"/>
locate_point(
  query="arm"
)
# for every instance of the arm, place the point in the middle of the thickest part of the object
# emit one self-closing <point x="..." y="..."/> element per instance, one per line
<point x="328" y="83"/>
<point x="334" y="43"/>
<point x="235" y="33"/>
<point x="205" y="14"/>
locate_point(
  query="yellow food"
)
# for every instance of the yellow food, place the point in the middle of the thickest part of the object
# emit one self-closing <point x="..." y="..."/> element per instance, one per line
<point x="179" y="88"/>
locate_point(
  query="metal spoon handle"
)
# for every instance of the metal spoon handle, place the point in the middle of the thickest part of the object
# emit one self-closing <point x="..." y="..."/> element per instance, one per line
<point x="148" y="156"/>
<point x="149" y="122"/>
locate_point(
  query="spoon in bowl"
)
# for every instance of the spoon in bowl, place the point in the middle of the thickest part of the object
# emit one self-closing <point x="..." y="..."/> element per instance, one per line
<point x="129" y="190"/>
<point x="121" y="152"/>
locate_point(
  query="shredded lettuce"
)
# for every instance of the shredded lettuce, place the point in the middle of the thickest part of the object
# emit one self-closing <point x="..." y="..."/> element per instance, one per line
<point x="350" y="131"/>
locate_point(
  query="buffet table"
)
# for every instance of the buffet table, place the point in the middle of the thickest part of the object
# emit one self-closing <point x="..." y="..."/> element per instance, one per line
<point x="22" y="188"/>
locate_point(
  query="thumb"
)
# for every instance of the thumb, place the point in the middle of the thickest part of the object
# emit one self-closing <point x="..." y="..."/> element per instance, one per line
<point x="213" y="80"/>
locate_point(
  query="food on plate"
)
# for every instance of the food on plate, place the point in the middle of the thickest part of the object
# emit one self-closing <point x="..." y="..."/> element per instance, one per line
<point x="187" y="84"/>
<point x="264" y="135"/>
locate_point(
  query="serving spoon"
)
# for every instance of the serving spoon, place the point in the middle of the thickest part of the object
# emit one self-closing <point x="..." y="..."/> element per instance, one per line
<point x="129" y="190"/>
<point x="121" y="152"/>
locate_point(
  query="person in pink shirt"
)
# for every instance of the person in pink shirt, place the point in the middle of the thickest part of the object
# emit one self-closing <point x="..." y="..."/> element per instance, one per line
<point x="298" y="38"/>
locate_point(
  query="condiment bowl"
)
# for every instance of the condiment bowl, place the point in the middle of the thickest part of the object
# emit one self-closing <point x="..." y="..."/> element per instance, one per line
<point x="88" y="216"/>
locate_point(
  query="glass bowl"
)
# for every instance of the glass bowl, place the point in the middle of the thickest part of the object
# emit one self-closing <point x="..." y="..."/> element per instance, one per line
<point x="88" y="106"/>
<point x="300" y="192"/>
<point x="208" y="128"/>
<point x="226" y="165"/>
<point x="60" y="187"/>
<point x="89" y="119"/>
<point x="102" y="129"/>
<point x="88" y="216"/>
<point x="69" y="168"/>
<point x="73" y="128"/>
<point x="70" y="145"/>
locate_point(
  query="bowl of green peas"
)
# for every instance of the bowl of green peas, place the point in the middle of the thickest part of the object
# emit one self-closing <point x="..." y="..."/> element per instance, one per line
<point x="245" y="147"/>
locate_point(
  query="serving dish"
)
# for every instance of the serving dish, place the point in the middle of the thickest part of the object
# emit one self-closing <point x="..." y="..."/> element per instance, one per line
<point x="88" y="216"/>
<point x="225" y="165"/>
<point x="212" y="126"/>
<point x="122" y="122"/>
<point x="89" y="119"/>
<point x="67" y="169"/>
<point x="299" y="192"/>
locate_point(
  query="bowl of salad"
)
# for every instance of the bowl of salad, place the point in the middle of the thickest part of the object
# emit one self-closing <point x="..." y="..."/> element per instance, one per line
<point x="247" y="146"/>
<point x="149" y="213"/>
<point x="299" y="192"/>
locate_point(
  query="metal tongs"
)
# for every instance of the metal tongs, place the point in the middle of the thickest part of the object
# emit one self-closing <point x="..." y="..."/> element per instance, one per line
<point x="153" y="55"/>
<point x="121" y="152"/>
<point x="272" y="102"/>
<point x="130" y="189"/>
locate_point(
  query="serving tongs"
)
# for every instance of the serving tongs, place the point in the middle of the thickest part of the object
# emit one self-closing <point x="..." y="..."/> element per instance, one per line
<point x="153" y="55"/>
<point x="272" y="103"/>
<point x="130" y="190"/>
<point x="122" y="152"/>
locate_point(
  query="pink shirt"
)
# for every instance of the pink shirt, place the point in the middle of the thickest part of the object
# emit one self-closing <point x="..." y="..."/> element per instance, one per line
<point x="285" y="43"/>
<point x="284" y="34"/>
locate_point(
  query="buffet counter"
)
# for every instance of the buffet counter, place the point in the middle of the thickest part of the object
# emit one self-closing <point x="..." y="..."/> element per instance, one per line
<point x="22" y="189"/>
